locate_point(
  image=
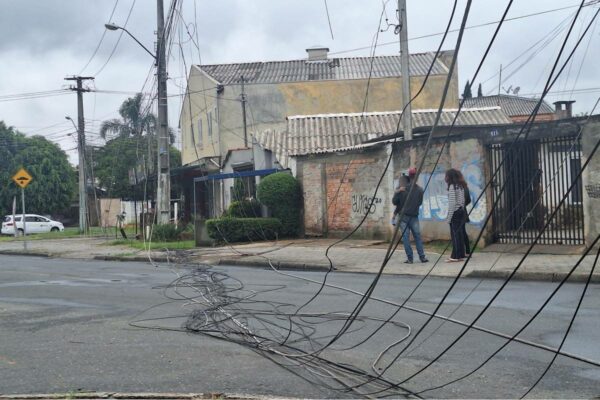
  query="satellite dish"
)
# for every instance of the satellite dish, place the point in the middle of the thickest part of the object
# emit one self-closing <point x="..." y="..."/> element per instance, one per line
<point x="516" y="90"/>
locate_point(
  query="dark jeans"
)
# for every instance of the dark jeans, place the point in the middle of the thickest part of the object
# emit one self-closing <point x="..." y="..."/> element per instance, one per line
<point x="466" y="239"/>
<point x="458" y="234"/>
<point x="410" y="224"/>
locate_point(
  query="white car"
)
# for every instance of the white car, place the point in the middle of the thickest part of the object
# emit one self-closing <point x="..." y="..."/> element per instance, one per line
<point x="33" y="224"/>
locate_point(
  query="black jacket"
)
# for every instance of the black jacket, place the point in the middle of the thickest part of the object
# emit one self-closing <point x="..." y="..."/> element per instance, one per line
<point x="412" y="204"/>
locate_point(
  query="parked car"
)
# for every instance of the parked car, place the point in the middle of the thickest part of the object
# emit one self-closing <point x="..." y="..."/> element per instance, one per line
<point x="33" y="224"/>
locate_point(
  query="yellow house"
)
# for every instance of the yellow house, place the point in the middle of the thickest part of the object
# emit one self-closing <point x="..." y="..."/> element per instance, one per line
<point x="225" y="103"/>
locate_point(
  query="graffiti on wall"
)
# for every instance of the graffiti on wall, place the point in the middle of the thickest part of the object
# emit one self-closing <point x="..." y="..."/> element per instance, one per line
<point x="435" y="199"/>
<point x="366" y="203"/>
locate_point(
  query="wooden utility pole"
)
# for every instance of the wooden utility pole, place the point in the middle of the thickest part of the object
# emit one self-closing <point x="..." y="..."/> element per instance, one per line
<point x="163" y="173"/>
<point x="405" y="70"/>
<point x="81" y="149"/>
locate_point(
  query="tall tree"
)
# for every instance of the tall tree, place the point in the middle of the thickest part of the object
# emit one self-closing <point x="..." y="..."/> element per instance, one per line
<point x="134" y="121"/>
<point x="53" y="186"/>
<point x="467" y="92"/>
<point x="113" y="162"/>
<point x="479" y="91"/>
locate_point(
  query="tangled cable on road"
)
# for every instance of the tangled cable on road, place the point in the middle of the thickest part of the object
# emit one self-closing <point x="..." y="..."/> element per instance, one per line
<point x="223" y="307"/>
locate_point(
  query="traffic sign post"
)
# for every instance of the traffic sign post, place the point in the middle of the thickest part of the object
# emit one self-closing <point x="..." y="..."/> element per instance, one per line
<point x="22" y="178"/>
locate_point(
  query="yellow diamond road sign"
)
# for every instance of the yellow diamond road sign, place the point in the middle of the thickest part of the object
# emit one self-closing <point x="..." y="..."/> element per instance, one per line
<point x="22" y="178"/>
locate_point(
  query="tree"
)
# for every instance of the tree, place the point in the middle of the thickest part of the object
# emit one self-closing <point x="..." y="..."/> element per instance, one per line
<point x="282" y="194"/>
<point x="113" y="161"/>
<point x="467" y="92"/>
<point x="54" y="180"/>
<point x="133" y="147"/>
<point x="479" y="91"/>
<point x="134" y="121"/>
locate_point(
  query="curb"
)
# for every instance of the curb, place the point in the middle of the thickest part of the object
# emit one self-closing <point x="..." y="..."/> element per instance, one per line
<point x="534" y="276"/>
<point x="22" y="253"/>
<point x="130" y="259"/>
<point x="139" y="396"/>
<point x="283" y="265"/>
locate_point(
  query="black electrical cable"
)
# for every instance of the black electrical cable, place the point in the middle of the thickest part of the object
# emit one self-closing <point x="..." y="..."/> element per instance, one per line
<point x="495" y="205"/>
<point x="583" y="292"/>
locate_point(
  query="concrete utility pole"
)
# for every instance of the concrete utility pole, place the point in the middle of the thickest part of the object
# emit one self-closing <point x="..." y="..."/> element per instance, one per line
<point x="163" y="173"/>
<point x="81" y="149"/>
<point x="244" y="114"/>
<point x="405" y="69"/>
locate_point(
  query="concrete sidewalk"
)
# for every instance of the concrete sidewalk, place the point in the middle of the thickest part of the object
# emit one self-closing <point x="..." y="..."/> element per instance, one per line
<point x="358" y="256"/>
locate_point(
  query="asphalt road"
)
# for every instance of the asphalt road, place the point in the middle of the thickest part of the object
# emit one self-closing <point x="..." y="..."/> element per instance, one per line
<point x="66" y="326"/>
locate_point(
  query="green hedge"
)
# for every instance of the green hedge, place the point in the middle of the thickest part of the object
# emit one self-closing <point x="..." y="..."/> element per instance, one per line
<point x="167" y="232"/>
<point x="281" y="193"/>
<point x="244" y="209"/>
<point x="243" y="229"/>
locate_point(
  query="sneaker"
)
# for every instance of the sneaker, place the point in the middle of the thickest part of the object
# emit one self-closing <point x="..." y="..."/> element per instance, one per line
<point x="424" y="260"/>
<point x="408" y="262"/>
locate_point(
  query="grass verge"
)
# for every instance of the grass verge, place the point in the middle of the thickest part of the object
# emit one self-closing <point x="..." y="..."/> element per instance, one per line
<point x="136" y="244"/>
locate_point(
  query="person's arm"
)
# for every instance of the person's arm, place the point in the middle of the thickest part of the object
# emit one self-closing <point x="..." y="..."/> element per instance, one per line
<point x="451" y="203"/>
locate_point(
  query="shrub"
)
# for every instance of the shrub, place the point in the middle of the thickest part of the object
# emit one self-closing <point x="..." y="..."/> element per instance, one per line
<point x="281" y="193"/>
<point x="167" y="232"/>
<point x="243" y="229"/>
<point x="244" y="209"/>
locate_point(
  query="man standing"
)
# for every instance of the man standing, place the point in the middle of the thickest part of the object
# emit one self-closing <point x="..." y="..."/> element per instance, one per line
<point x="409" y="221"/>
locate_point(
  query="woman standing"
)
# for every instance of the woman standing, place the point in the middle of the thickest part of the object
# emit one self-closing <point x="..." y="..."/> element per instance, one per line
<point x="457" y="214"/>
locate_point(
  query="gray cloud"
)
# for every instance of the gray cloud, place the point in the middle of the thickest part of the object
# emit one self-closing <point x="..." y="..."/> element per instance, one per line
<point x="45" y="40"/>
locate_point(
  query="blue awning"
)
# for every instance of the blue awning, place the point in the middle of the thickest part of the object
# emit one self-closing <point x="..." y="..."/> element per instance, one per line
<point x="258" y="172"/>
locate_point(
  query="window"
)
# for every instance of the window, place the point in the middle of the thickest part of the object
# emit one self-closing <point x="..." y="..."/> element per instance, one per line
<point x="31" y="218"/>
<point x="199" y="137"/>
<point x="209" y="124"/>
<point x="243" y="187"/>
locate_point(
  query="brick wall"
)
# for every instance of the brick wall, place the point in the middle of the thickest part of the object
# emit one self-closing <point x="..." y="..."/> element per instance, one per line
<point x="343" y="189"/>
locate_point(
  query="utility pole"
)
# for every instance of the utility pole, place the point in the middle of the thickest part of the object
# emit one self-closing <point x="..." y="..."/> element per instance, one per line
<point x="405" y="70"/>
<point x="244" y="114"/>
<point x="163" y="173"/>
<point x="81" y="149"/>
<point x="499" y="85"/>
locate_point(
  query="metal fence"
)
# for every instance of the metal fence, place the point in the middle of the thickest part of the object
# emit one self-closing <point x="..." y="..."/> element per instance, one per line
<point x="533" y="178"/>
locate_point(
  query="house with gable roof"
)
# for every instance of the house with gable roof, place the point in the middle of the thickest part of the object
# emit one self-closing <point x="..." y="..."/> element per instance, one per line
<point x="226" y="103"/>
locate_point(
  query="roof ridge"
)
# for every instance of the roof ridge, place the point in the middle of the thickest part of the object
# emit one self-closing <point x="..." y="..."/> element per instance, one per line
<point x="373" y="113"/>
<point x="305" y="59"/>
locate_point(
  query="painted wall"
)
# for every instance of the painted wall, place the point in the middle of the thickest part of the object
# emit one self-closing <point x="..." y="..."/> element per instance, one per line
<point x="466" y="155"/>
<point x="200" y="105"/>
<point x="268" y="105"/>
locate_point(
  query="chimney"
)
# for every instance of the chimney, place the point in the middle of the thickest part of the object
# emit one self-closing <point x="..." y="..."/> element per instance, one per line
<point x="317" y="53"/>
<point x="561" y="112"/>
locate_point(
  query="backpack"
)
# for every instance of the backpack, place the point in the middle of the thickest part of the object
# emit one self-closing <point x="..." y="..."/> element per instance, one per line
<point x="467" y="197"/>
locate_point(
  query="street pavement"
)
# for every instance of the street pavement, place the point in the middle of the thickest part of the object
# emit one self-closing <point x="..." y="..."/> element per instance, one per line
<point x="358" y="256"/>
<point x="67" y="327"/>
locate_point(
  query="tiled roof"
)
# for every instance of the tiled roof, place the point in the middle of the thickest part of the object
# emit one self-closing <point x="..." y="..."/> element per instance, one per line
<point x="512" y="105"/>
<point x="330" y="69"/>
<point x="311" y="134"/>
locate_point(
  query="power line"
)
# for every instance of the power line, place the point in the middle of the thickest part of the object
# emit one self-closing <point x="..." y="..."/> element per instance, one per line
<point x="591" y="2"/>
<point x="101" y="39"/>
<point x="118" y="40"/>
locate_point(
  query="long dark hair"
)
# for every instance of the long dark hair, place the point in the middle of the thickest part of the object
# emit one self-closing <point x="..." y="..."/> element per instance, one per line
<point x="455" y="177"/>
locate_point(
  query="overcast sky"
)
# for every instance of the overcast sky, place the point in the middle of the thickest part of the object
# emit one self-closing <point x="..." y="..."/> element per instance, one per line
<point x="43" y="41"/>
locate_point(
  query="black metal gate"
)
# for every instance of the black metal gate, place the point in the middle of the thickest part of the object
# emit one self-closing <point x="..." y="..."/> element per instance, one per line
<point x="536" y="175"/>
